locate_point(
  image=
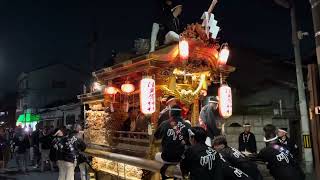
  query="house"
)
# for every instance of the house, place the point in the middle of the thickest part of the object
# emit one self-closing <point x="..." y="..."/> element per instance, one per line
<point x="62" y="115"/>
<point x="45" y="85"/>
<point x="264" y="92"/>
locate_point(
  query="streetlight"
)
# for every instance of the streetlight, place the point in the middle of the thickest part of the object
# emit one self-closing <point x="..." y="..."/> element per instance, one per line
<point x="296" y="37"/>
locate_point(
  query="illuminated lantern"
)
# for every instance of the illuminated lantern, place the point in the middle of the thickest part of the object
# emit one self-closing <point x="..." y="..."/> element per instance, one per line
<point x="184" y="50"/>
<point x="147" y="95"/>
<point x="127" y="87"/>
<point x="111" y="90"/>
<point x="223" y="55"/>
<point x="225" y="101"/>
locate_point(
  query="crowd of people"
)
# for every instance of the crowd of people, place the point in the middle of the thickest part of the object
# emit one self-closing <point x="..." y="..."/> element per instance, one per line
<point x="45" y="147"/>
<point x="188" y="148"/>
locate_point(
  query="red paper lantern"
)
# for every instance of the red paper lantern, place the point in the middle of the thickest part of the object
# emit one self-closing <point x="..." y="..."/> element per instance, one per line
<point x="184" y="50"/>
<point x="127" y="87"/>
<point x="223" y="55"/>
<point x="147" y="96"/>
<point x="111" y="90"/>
<point x="225" y="101"/>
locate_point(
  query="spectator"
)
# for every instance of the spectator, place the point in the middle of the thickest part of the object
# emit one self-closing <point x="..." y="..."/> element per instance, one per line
<point x="69" y="148"/>
<point x="21" y="145"/>
<point x="57" y="136"/>
<point x="131" y="117"/>
<point x="45" y="145"/>
<point x="82" y="158"/>
<point x="4" y="149"/>
<point x="247" y="140"/>
<point x="141" y="123"/>
<point x="236" y="158"/>
<point x="35" y="145"/>
<point x="200" y="160"/>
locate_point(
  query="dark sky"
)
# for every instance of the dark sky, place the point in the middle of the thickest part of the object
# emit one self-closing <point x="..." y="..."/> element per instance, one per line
<point x="35" y="33"/>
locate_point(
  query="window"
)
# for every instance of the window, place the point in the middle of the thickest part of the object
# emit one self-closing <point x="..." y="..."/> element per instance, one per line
<point x="58" y="84"/>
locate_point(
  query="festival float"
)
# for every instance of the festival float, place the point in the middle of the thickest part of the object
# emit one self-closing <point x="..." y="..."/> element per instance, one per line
<point x="184" y="70"/>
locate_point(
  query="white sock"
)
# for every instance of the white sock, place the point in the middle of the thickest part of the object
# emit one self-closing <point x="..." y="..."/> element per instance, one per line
<point x="171" y="36"/>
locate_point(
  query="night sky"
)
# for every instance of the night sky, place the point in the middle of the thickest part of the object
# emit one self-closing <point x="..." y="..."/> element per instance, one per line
<point x="36" y="33"/>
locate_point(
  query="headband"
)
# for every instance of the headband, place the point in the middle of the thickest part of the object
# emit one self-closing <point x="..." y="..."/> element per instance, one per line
<point x="269" y="140"/>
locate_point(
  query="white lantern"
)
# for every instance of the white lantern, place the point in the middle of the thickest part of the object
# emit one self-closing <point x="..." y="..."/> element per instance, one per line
<point x="225" y="101"/>
<point x="147" y="95"/>
<point x="223" y="55"/>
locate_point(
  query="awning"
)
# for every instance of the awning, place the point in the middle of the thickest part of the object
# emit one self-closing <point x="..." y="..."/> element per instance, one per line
<point x="28" y="118"/>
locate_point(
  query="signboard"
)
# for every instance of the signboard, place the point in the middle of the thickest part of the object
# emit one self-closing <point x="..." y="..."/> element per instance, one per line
<point x="317" y="110"/>
<point x="307" y="141"/>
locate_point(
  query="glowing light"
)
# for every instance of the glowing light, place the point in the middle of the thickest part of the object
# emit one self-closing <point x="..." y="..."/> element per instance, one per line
<point x="127" y="87"/>
<point x="223" y="55"/>
<point x="225" y="101"/>
<point x="111" y="90"/>
<point x="184" y="50"/>
<point x="96" y="87"/>
<point x="147" y="96"/>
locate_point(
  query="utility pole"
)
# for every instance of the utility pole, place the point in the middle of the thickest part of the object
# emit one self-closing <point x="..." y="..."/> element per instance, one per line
<point x="314" y="103"/>
<point x="305" y="130"/>
<point x="315" y="6"/>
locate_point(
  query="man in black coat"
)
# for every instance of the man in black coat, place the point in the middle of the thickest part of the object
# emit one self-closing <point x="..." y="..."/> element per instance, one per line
<point x="281" y="163"/>
<point x="287" y="142"/>
<point x="201" y="161"/>
<point x="68" y="151"/>
<point x="247" y="140"/>
<point x="35" y="145"/>
<point x="21" y="146"/>
<point x="236" y="158"/>
<point x="209" y="120"/>
<point x="174" y="135"/>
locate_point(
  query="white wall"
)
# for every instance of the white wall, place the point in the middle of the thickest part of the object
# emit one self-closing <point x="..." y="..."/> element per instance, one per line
<point x="40" y="91"/>
<point x="257" y="123"/>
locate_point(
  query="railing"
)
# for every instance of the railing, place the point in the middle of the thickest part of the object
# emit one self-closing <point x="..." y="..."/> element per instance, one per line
<point x="150" y="165"/>
<point x="136" y="135"/>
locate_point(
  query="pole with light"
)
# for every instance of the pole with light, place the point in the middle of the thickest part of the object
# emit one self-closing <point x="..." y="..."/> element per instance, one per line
<point x="296" y="37"/>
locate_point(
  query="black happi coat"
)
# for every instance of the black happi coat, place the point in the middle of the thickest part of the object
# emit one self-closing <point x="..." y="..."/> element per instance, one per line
<point x="174" y="135"/>
<point x="240" y="161"/>
<point x="281" y="163"/>
<point x="69" y="148"/>
<point x="202" y="162"/>
<point x="247" y="141"/>
<point x="290" y="145"/>
<point x="232" y="173"/>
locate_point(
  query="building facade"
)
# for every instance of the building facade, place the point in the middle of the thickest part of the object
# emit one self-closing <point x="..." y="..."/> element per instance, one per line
<point x="48" y="85"/>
